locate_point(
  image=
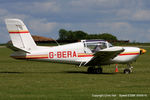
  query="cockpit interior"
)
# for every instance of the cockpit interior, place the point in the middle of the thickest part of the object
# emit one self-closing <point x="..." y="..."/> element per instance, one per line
<point x="92" y="46"/>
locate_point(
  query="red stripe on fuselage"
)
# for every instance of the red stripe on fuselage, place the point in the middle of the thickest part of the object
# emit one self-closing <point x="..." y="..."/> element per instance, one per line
<point x="26" y="57"/>
<point x="80" y="55"/>
<point x="129" y="54"/>
<point x="37" y="58"/>
<point x="85" y="55"/>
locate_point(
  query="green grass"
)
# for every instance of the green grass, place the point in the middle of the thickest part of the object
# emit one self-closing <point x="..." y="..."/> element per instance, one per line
<point x="28" y="80"/>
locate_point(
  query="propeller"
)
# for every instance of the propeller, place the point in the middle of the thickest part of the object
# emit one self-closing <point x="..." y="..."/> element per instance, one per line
<point x="142" y="51"/>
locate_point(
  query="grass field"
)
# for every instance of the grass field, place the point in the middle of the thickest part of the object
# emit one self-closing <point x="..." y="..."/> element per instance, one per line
<point x="27" y="80"/>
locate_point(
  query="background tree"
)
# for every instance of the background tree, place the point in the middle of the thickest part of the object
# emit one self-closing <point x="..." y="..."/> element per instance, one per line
<point x="107" y="36"/>
<point x="70" y="35"/>
<point x="62" y="34"/>
<point x="78" y="35"/>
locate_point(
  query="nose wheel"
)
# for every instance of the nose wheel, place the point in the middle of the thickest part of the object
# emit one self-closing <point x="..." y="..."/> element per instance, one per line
<point x="128" y="70"/>
<point x="94" y="70"/>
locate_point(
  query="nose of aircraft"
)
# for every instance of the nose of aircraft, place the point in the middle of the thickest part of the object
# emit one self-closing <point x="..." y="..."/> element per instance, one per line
<point x="142" y="51"/>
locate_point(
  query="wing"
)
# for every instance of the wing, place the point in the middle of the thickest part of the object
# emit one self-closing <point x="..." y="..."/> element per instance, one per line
<point x="104" y="56"/>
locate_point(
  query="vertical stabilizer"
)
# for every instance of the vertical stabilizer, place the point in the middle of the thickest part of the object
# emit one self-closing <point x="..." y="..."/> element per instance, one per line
<point x="19" y="34"/>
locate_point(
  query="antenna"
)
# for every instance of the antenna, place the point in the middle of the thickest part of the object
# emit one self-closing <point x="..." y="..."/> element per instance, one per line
<point x="55" y="41"/>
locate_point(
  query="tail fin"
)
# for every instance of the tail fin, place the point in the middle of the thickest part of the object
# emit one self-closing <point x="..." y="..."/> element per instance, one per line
<point x="19" y="34"/>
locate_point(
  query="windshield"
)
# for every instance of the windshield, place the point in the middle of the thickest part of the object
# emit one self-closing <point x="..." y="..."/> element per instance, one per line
<point x="110" y="45"/>
<point x="94" y="47"/>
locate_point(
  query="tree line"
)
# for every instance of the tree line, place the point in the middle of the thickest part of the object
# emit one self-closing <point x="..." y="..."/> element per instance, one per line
<point x="65" y="35"/>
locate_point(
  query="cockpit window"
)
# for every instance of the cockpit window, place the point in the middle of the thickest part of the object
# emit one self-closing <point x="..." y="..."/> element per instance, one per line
<point x="110" y="45"/>
<point x="91" y="46"/>
<point x="94" y="47"/>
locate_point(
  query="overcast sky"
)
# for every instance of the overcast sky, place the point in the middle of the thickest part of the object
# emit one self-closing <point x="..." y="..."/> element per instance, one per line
<point x="126" y="19"/>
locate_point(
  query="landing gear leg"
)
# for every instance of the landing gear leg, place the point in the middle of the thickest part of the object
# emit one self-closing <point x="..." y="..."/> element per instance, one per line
<point x="95" y="70"/>
<point x="128" y="70"/>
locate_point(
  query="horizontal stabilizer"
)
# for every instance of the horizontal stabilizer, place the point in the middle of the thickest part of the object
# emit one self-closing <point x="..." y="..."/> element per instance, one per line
<point x="16" y="49"/>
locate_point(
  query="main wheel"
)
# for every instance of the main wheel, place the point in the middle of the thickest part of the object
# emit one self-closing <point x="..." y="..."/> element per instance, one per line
<point x="98" y="70"/>
<point x="127" y="71"/>
<point x="90" y="70"/>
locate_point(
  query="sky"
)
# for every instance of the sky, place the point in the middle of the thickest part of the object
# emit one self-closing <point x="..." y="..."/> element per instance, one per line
<point x="126" y="19"/>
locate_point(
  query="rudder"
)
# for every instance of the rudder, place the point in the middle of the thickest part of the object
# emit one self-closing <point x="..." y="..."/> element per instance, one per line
<point x="19" y="34"/>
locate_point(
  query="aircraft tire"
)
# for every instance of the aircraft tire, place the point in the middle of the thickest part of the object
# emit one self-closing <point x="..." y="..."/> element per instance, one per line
<point x="90" y="70"/>
<point x="98" y="70"/>
<point x="94" y="70"/>
<point x="127" y="71"/>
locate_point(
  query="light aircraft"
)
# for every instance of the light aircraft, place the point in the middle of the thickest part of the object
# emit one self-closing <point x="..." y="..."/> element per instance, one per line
<point x="90" y="53"/>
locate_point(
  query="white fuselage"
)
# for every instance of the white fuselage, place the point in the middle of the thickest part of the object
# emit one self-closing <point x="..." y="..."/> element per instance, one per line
<point x="85" y="53"/>
<point x="74" y="53"/>
<point x="130" y="54"/>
